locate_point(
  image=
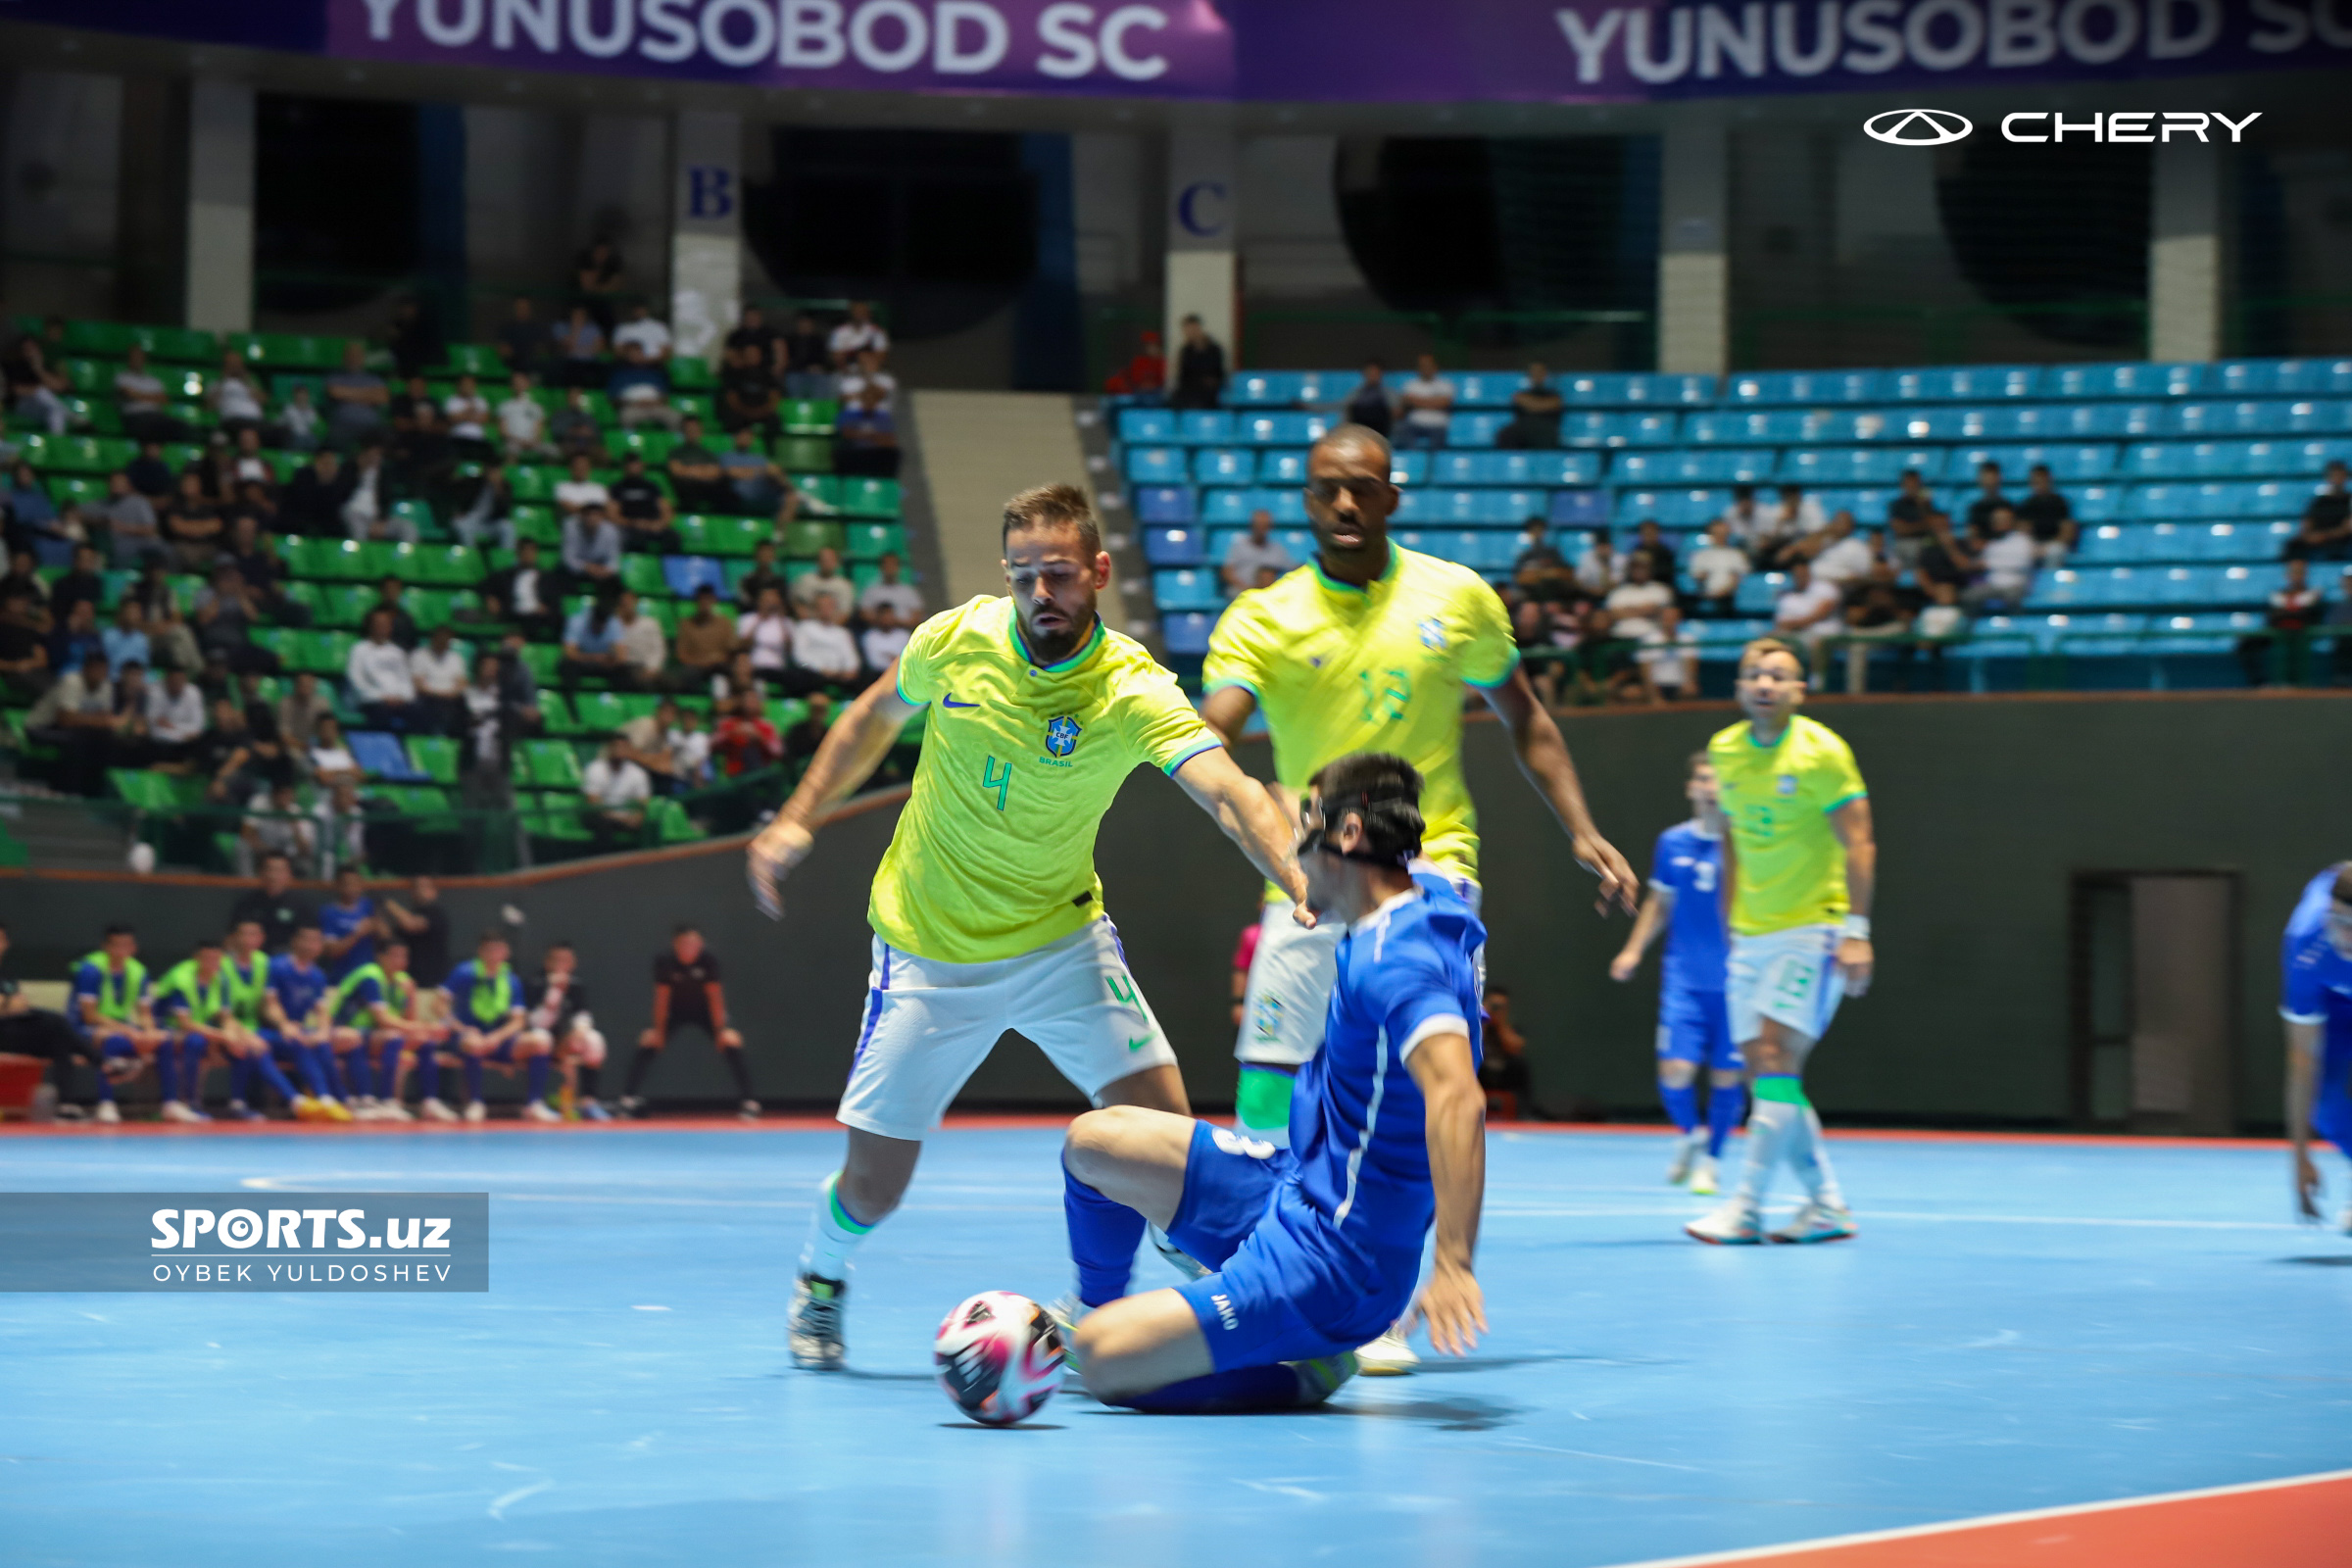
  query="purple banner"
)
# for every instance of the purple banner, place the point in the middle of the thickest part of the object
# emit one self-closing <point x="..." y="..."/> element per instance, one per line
<point x="1286" y="50"/>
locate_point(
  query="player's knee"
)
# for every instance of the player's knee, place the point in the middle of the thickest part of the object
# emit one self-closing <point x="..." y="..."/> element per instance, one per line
<point x="1725" y="1078"/>
<point x="1092" y="1149"/>
<point x="1678" y="1074"/>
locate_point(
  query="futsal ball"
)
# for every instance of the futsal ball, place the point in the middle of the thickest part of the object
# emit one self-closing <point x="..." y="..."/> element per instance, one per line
<point x="999" y="1356"/>
<point x="142" y="858"/>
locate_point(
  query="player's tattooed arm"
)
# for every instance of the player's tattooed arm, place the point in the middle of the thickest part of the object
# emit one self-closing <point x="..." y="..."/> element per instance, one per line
<point x="853" y="749"/>
<point x="2302" y="1080"/>
<point x="1543" y="757"/>
<point x="1246" y="813"/>
<point x="1853" y="826"/>
<point x="1655" y="908"/>
<point x="1451" y="1305"/>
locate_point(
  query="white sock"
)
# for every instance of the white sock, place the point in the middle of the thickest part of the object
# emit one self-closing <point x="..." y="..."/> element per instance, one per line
<point x="1771" y="1124"/>
<point x="832" y="1236"/>
<point x="1810" y="1154"/>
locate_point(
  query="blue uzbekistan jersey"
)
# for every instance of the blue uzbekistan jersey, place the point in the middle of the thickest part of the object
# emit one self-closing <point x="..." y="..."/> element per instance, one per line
<point x="1688" y="863"/>
<point x="2315" y="983"/>
<point x="298" y="990"/>
<point x="335" y="922"/>
<point x="1362" y="1185"/>
<point x="117" y="995"/>
<point x="481" y="1001"/>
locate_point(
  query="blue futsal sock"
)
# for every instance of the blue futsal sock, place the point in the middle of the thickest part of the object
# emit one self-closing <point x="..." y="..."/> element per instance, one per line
<point x="387" y="1069"/>
<point x="1235" y="1392"/>
<point x="353" y="1064"/>
<point x="474" y="1078"/>
<point x="240" y="1079"/>
<point x="428" y="1073"/>
<point x="537" y="1076"/>
<point x="166" y="1070"/>
<point x="1103" y="1237"/>
<point x="1725" y="1107"/>
<point x="269" y="1074"/>
<point x="1681" y="1106"/>
<point x="193" y="1050"/>
<point x="312" y="1059"/>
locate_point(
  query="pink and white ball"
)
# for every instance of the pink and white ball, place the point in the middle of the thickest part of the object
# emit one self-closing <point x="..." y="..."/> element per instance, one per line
<point x="1000" y="1357"/>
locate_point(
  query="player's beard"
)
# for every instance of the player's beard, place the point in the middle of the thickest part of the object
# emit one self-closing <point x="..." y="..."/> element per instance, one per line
<point x="1053" y="647"/>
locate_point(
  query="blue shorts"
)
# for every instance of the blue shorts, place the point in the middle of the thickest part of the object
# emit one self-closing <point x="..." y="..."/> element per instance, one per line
<point x="1275" y="1297"/>
<point x="2331" y="1103"/>
<point x="111" y="1044"/>
<point x="1697" y="1026"/>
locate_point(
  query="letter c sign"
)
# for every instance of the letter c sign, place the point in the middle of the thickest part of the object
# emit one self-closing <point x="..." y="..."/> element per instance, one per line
<point x="1200" y="209"/>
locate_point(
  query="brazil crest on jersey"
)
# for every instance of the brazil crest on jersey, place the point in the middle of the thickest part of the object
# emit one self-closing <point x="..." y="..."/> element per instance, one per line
<point x="994" y="855"/>
<point x="1339" y="669"/>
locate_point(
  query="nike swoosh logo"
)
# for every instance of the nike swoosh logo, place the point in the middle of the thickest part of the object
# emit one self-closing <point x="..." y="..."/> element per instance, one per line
<point x="950" y="701"/>
<point x="1138" y="1044"/>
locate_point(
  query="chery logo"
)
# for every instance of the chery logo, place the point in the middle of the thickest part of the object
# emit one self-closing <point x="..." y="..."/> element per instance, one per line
<point x="1917" y="128"/>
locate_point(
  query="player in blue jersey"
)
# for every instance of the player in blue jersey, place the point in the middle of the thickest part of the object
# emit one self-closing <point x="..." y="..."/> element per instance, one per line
<point x="1694" y="1026"/>
<point x="349" y="927"/>
<point x="488" y="1022"/>
<point x="2316" y="1001"/>
<point x="114" y="1014"/>
<point x="296" y="1008"/>
<point x="1316" y="1247"/>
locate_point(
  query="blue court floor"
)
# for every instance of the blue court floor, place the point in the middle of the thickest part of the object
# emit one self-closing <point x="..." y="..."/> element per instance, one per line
<point x="2019" y="1326"/>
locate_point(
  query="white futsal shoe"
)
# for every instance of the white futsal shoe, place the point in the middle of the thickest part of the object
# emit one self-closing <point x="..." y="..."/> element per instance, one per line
<point x="475" y="1110"/>
<point x="2343" y="1220"/>
<point x="179" y="1110"/>
<point x="1817" y="1223"/>
<point x="536" y="1110"/>
<point x="813" y="1326"/>
<point x="1391" y="1356"/>
<point x="1686" y="1152"/>
<point x="437" y="1109"/>
<point x="393" y="1110"/>
<point x="1702" y="1176"/>
<point x="108" y="1112"/>
<point x="1731" y="1223"/>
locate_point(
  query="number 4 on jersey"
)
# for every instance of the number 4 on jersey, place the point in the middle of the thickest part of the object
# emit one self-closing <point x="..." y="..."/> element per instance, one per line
<point x="994" y="778"/>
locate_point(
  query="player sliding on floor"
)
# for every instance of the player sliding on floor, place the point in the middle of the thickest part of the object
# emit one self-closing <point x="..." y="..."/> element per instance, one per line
<point x="1368" y="649"/>
<point x="987" y="913"/>
<point x="1694" y="1026"/>
<point x="2316" y="1001"/>
<point x="1800" y="864"/>
<point x="1316" y="1247"/>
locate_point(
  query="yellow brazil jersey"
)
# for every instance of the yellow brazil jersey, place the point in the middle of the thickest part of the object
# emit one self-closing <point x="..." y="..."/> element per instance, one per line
<point x="994" y="855"/>
<point x="1379" y="668"/>
<point x="1778" y="799"/>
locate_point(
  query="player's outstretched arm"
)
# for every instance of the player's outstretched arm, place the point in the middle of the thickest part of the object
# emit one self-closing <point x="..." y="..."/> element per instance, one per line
<point x="853" y="749"/>
<point x="1249" y="816"/>
<point x="1655" y="908"/>
<point x="1455" y="1125"/>
<point x="2302" y="1080"/>
<point x="1543" y="757"/>
<point x="1853" y="826"/>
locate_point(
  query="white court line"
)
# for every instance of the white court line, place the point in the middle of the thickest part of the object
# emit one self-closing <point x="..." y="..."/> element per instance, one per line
<point x="498" y="1509"/>
<point x="1707" y="1559"/>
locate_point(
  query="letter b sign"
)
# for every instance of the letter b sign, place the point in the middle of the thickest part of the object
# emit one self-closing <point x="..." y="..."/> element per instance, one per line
<point x="710" y="191"/>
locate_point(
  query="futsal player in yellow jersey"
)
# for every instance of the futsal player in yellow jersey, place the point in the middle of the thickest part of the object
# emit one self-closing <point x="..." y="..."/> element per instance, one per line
<point x="1368" y="649"/>
<point x="1799" y="866"/>
<point x="987" y="913"/>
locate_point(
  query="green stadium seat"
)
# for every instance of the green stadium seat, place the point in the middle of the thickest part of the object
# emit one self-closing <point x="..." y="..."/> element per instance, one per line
<point x="555" y="712"/>
<point x="77" y="489"/>
<point x="177" y="345"/>
<point x="598" y="713"/>
<point x="645" y="575"/>
<point x="666" y="823"/>
<point x="812" y="454"/>
<point x="549" y="764"/>
<point x="420" y="512"/>
<point x="558" y="820"/>
<point x="653" y="445"/>
<point x="471" y="359"/>
<point x="537" y="522"/>
<point x="533" y="481"/>
<point x="305" y="557"/>
<point x="871" y="541"/>
<point x="283" y="641"/>
<point x="89" y="378"/>
<point x="738" y="536"/>
<point x="823" y="491"/>
<point x="694" y="534"/>
<point x="307" y="594"/>
<point x="805" y="539"/>
<point x="435" y="757"/>
<point x="433" y="607"/>
<point x="639" y="704"/>
<point x="179" y="455"/>
<point x="545" y="660"/>
<point x="289" y="351"/>
<point x="690" y="372"/>
<point x="111" y="339"/>
<point x="445" y="565"/>
<point x="870" y="498"/>
<point x="146" y="790"/>
<point x="198" y="414"/>
<point x="697" y="405"/>
<point x="811" y="416"/>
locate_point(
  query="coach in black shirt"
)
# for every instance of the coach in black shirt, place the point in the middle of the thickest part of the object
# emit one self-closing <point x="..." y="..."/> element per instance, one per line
<point x="274" y="906"/>
<point x="687" y="991"/>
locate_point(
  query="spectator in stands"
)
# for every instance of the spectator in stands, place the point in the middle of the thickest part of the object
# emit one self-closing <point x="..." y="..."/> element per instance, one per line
<point x="2327" y="531"/>
<point x="76" y="718"/>
<point x="855" y="338"/>
<point x="329" y="758"/>
<point x="639" y="388"/>
<point x="884" y="639"/>
<point x="1793" y="516"/>
<point x="827" y="581"/>
<point x="368" y="514"/>
<point x="706" y="639"/>
<point x="261" y="723"/>
<point x="141" y="399"/>
<point x="765" y="632"/>
<point x="645" y="739"/>
<point x="524" y="593"/>
<point x="467" y="412"/>
<point x="745" y="741"/>
<point x="491" y="728"/>
<point x="2294" y="608"/>
<point x="313" y="503"/>
<point x="903" y="600"/>
<point x="749" y="395"/>
<point x="300" y="424"/>
<point x="489" y="512"/>
<point x="24" y="576"/>
<point x="1839" y="557"/>
<point x="1746" y="518"/>
<point x="192" y="526"/>
<point x="1650" y="541"/>
<point x="2007" y="563"/>
<point x="614" y="793"/>
<point x="1539" y="569"/>
<point x="414" y="341"/>
<point x="866" y="433"/>
<point x="1909" y="524"/>
<point x="150" y="475"/>
<point x="1248" y="552"/>
<point x="643" y="648"/>
<point x="1668" y="659"/>
<point x="389" y="602"/>
<point x="521" y="340"/>
<point x="1428" y="400"/>
<point x="1369" y="405"/>
<point x="438" y="671"/>
<point x="1636" y="603"/>
<point x="580" y="487"/>
<point x="1808" y="613"/>
<point x="1199" y="368"/>
<point x="377" y="672"/>
<point x="236" y="396"/>
<point x="1988" y="496"/>
<point x="1875" y="611"/>
<point x="646" y="520"/>
<point x="1536" y="409"/>
<point x="727" y="689"/>
<point x="36" y="392"/>
<point x="804" y="737"/>
<point x="126" y="641"/>
<point x="247" y="465"/>
<point x="823" y="652"/>
<point x="2047" y="516"/>
<point x="762" y="577"/>
<point x="275" y="831"/>
<point x="342" y="820"/>
<point x="299" y="712"/>
<point x="695" y="477"/>
<point x="275" y="907"/>
<point x="755" y="486"/>
<point x="132" y="533"/>
<point x="1600" y="568"/>
<point x="757" y="345"/>
<point x="1601" y="668"/>
<point x="576" y="430"/>
<point x="224" y="755"/>
<point x="83" y="582"/>
<point x="23" y="652"/>
<point x="33" y="523"/>
<point x="355" y="399"/>
<point x="689" y="750"/>
<point x="523" y="423"/>
<point x="227" y="611"/>
<point x="592" y="547"/>
<point x="650" y="336"/>
<point x="175" y="717"/>
<point x="579" y="346"/>
<point x="592" y="642"/>
<point x="805" y="359"/>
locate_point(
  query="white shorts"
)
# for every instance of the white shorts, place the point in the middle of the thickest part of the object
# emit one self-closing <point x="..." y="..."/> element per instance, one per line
<point x="1790" y="976"/>
<point x="1290" y="979"/>
<point x="929" y="1025"/>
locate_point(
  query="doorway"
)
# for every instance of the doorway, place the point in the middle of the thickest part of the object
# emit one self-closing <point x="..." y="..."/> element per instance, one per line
<point x="2155" y="980"/>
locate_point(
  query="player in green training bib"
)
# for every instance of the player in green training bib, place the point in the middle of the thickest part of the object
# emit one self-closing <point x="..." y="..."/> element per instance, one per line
<point x="987" y="913"/>
<point x="1801" y="862"/>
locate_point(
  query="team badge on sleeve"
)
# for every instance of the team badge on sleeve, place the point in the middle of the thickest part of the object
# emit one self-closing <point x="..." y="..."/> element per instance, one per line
<point x="1061" y="735"/>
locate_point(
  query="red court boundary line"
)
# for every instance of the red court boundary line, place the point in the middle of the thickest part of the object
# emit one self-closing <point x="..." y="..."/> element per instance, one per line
<point x="2295" y="1522"/>
<point x="1011" y="1120"/>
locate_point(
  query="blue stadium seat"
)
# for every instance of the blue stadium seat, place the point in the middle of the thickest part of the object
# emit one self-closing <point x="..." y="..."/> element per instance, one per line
<point x="2269" y="538"/>
<point x="1810" y="388"/>
<point x="1280" y="429"/>
<point x="1965" y="383"/>
<point x="1456" y="507"/>
<point x="1193" y="589"/>
<point x="1201" y="427"/>
<point x="2065" y="462"/>
<point x="1463" y="467"/>
<point x="2096" y="503"/>
<point x="1997" y="637"/>
<point x="2111" y="546"/>
<point x="1173" y="547"/>
<point x="1757" y="592"/>
<point x="686" y="573"/>
<point x="2131" y="378"/>
<point x="2176" y="459"/>
<point x="2275" y="498"/>
<point x="2181" y="502"/>
<point x="1282" y="467"/>
<point x="1165" y="502"/>
<point x="1266" y="389"/>
<point x="2316" y="378"/>
<point x="1673" y="509"/>
<point x="1667" y="390"/>
<point x="1578" y="509"/>
<point x="1405" y="467"/>
<point x="1550" y="468"/>
<point x="1235" y="505"/>
<point x="1186" y="632"/>
<point x="1867" y="504"/>
<point x="1475" y="429"/>
<point x="2247" y="378"/>
<point x="2249" y="585"/>
<point x="2163" y="542"/>
<point x="1485" y="389"/>
<point x="1155" y="465"/>
<point x="1507" y="509"/>
<point x="1224" y="466"/>
<point x="2053" y="590"/>
<point x="1748" y="427"/>
<point x="1593" y="389"/>
<point x="2094" y="634"/>
<point x="1854" y="426"/>
<point x="1656" y="428"/>
<point x="1299" y="542"/>
<point x="1149" y="425"/>
<point x="2240" y="419"/>
<point x="2292" y="457"/>
<point x="1647" y="468"/>
<point x="1589" y="427"/>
